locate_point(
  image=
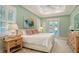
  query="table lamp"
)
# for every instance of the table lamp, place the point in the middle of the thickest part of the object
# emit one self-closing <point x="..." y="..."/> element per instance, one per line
<point x="41" y="29"/>
<point x="71" y="28"/>
<point x="15" y="28"/>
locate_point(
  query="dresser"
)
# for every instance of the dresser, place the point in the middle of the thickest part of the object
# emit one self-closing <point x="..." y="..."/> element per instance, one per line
<point x="74" y="41"/>
<point x="12" y="44"/>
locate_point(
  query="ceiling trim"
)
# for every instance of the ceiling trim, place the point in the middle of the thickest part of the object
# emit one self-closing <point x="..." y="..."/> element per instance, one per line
<point x="74" y="9"/>
<point x="49" y="16"/>
<point x="54" y="16"/>
<point x="29" y="11"/>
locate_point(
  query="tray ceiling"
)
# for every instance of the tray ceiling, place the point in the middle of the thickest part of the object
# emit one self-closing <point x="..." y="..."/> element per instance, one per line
<point x="50" y="10"/>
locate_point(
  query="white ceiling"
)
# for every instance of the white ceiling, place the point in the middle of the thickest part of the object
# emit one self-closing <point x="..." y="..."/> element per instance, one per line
<point x="50" y="10"/>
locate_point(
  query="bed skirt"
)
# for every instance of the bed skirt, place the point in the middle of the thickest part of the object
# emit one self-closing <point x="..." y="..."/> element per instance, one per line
<point x="39" y="47"/>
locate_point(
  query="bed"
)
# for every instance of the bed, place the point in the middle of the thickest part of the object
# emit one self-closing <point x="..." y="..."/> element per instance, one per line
<point x="41" y="41"/>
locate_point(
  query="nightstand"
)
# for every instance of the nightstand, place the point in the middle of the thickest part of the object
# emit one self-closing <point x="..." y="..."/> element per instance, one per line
<point x="12" y="44"/>
<point x="1" y="43"/>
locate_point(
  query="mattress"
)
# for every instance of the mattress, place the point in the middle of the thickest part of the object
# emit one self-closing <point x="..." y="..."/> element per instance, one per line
<point x="39" y="39"/>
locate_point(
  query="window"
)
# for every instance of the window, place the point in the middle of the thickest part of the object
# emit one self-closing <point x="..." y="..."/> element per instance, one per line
<point x="53" y="26"/>
<point x="6" y="18"/>
<point x="2" y="19"/>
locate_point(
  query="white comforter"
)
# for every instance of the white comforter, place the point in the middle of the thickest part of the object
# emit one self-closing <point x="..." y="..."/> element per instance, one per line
<point x="40" y="39"/>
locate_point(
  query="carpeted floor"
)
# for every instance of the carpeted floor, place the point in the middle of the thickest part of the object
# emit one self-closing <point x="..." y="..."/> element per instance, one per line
<point x="60" y="46"/>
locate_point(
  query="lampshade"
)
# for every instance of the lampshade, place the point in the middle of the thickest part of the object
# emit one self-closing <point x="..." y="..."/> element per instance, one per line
<point x="12" y="29"/>
<point x="71" y="28"/>
<point x="41" y="28"/>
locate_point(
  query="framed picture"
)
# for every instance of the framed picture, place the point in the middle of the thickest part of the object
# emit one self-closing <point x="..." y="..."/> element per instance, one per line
<point x="28" y="23"/>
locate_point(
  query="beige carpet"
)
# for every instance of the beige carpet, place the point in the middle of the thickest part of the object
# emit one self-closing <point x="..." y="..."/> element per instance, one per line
<point x="60" y="46"/>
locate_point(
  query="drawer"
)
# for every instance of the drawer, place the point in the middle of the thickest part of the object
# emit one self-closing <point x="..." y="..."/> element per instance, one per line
<point x="18" y="38"/>
<point x="11" y="44"/>
<point x="77" y="33"/>
<point x="19" y="42"/>
<point x="73" y="48"/>
<point x="15" y="42"/>
<point x="73" y="43"/>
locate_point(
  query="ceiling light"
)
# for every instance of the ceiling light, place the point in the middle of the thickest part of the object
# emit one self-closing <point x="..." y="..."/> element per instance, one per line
<point x="49" y="9"/>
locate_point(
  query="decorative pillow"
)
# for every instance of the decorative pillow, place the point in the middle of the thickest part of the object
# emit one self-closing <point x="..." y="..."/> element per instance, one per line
<point x="36" y="30"/>
<point x="29" y="31"/>
<point x="33" y="31"/>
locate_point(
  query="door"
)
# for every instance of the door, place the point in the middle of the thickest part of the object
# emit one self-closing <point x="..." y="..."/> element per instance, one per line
<point x="53" y="27"/>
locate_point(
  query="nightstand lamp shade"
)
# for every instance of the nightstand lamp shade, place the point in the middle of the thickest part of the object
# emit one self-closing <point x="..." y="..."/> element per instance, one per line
<point x="41" y="29"/>
<point x="71" y="28"/>
<point x="14" y="29"/>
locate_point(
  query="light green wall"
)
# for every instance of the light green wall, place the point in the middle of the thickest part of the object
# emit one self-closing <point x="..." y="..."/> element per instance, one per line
<point x="75" y="12"/>
<point x="63" y="25"/>
<point x="64" y="20"/>
<point x="21" y="12"/>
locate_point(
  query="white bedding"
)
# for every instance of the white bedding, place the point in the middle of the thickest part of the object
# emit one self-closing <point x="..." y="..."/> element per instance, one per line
<point x="39" y="39"/>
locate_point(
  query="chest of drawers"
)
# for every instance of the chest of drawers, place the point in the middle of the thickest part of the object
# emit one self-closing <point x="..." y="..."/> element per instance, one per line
<point x="74" y="41"/>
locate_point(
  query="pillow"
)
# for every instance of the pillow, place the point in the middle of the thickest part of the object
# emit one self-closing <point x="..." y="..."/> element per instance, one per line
<point x="29" y="31"/>
<point x="36" y="30"/>
<point x="33" y="31"/>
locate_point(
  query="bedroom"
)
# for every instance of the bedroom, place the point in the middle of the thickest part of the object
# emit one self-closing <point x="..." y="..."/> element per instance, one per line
<point x="39" y="28"/>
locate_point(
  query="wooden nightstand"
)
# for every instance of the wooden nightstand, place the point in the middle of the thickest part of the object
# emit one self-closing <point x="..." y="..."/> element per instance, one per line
<point x="12" y="44"/>
<point x="1" y="43"/>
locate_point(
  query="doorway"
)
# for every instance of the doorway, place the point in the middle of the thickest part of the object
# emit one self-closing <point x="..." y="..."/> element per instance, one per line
<point x="53" y="27"/>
